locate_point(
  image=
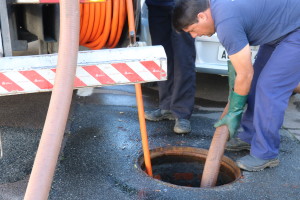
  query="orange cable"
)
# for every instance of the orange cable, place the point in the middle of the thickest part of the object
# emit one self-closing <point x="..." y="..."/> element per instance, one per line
<point x="139" y="97"/>
<point x="101" y="20"/>
<point x="101" y="26"/>
<point x="122" y="16"/>
<point x="102" y="23"/>
<point x="102" y="39"/>
<point x="130" y="14"/>
<point x="115" y="22"/>
<point x="90" y="23"/>
<point x="85" y="20"/>
<point x="96" y="21"/>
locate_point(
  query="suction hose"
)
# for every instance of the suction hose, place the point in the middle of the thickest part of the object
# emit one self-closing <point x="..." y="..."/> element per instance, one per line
<point x="48" y="151"/>
<point x="215" y="154"/>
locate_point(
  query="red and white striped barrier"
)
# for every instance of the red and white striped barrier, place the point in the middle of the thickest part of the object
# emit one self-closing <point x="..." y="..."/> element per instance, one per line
<point x="53" y="1"/>
<point x="30" y="74"/>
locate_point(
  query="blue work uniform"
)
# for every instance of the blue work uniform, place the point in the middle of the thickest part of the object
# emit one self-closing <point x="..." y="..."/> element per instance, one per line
<point x="275" y="26"/>
<point x="178" y="92"/>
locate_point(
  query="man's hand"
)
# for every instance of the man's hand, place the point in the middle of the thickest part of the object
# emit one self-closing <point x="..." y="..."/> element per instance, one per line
<point x="233" y="118"/>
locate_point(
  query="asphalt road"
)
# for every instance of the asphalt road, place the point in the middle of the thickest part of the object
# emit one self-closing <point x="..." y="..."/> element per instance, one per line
<point x="99" y="159"/>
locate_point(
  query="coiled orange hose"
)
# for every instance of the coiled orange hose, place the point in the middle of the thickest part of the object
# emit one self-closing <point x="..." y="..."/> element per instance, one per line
<point x="101" y="26"/>
<point x="102" y="23"/>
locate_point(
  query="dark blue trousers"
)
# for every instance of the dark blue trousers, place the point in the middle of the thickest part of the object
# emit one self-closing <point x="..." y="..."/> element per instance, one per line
<point x="178" y="92"/>
<point x="276" y="74"/>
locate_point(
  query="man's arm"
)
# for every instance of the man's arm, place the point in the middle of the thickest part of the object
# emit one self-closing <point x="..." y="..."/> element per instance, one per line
<point x="238" y="97"/>
<point x="244" y="70"/>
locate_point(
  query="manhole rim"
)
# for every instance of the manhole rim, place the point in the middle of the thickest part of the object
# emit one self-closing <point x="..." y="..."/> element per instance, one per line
<point x="188" y="151"/>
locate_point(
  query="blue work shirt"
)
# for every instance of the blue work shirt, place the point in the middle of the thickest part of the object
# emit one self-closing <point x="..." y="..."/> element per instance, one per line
<point x="257" y="22"/>
<point x="160" y="2"/>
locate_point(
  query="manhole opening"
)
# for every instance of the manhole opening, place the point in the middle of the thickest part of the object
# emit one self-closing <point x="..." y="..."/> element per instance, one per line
<point x="183" y="166"/>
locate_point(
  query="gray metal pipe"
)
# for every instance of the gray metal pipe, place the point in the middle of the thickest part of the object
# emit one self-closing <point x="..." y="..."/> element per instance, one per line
<point x="48" y="151"/>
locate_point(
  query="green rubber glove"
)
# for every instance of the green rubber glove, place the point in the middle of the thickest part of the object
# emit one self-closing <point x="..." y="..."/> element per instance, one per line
<point x="231" y="76"/>
<point x="233" y="118"/>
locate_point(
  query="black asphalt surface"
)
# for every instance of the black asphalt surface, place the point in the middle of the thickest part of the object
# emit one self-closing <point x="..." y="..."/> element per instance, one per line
<point x="103" y="143"/>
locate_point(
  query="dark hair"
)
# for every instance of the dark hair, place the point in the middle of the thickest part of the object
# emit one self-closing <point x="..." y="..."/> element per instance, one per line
<point x="185" y="12"/>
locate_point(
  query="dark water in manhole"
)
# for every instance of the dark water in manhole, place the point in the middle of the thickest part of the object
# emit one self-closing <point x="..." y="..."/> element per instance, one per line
<point x="185" y="169"/>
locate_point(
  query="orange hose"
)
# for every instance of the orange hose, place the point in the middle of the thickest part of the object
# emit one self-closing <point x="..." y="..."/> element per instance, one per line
<point x="143" y="129"/>
<point x="115" y="21"/>
<point x="131" y="23"/>
<point x="101" y="41"/>
<point x="139" y="97"/>
<point x="90" y="23"/>
<point x="122" y="15"/>
<point x="101" y="26"/>
<point x="85" y="18"/>
<point x="96" y="22"/>
<point x="102" y="23"/>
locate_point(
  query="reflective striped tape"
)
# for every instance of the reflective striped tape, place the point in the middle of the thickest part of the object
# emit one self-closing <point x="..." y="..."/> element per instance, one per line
<point x="105" y="70"/>
<point x="92" y="76"/>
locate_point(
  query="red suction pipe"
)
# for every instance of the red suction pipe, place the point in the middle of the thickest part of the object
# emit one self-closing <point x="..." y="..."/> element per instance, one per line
<point x="51" y="140"/>
<point x="215" y="154"/>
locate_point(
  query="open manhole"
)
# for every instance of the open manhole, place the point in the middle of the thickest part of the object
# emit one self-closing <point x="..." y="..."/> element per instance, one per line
<point x="183" y="166"/>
